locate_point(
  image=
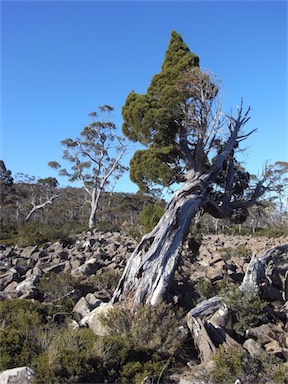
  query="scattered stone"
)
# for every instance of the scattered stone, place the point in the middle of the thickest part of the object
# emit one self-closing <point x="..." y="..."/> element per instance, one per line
<point x="93" y="320"/>
<point x="21" y="375"/>
<point x="253" y="347"/>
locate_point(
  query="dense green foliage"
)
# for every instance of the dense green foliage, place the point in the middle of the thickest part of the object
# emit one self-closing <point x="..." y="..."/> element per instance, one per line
<point x="143" y="346"/>
<point x="155" y="118"/>
<point x="237" y="364"/>
<point x="150" y="216"/>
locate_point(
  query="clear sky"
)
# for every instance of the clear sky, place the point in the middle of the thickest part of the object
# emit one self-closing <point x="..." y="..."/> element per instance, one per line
<point x="63" y="59"/>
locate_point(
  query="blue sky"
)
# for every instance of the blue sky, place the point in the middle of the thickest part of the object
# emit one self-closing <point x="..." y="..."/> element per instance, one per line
<point x="61" y="60"/>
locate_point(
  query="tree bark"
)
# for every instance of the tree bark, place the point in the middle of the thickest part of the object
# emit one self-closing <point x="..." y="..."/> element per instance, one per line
<point x="207" y="322"/>
<point x="95" y="198"/>
<point x="261" y="269"/>
<point x="151" y="267"/>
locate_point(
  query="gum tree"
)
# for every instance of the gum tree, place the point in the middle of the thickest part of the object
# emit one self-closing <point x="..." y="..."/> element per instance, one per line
<point x="190" y="141"/>
<point x="95" y="157"/>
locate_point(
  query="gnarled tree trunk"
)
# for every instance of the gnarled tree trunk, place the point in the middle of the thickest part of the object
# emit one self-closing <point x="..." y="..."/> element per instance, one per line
<point x="261" y="271"/>
<point x="152" y="265"/>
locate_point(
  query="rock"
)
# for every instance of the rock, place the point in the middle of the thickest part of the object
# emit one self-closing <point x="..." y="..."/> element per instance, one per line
<point x="7" y="278"/>
<point x="273" y="347"/>
<point x="21" y="375"/>
<point x="182" y="333"/>
<point x="83" y="307"/>
<point x="266" y="333"/>
<point x="92" y="301"/>
<point x="270" y="293"/>
<point x="28" y="251"/>
<point x="206" y="307"/>
<point x="216" y="272"/>
<point x="27" y="287"/>
<point x="253" y="347"/>
<point x="87" y="269"/>
<point x="103" y="295"/>
<point x="55" y="268"/>
<point x="222" y="317"/>
<point x="94" y="322"/>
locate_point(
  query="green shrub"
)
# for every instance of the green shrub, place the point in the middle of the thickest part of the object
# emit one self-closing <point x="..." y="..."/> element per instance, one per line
<point x="106" y="280"/>
<point x="20" y="336"/>
<point x="207" y="289"/>
<point x="246" y="306"/>
<point x="56" y="286"/>
<point x="34" y="234"/>
<point x="238" y="364"/>
<point x="272" y="232"/>
<point x="140" y="342"/>
<point x="150" y="216"/>
<point x="241" y="252"/>
<point x="150" y="327"/>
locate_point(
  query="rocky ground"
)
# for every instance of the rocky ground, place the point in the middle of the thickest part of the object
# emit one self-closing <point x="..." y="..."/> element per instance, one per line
<point x="219" y="258"/>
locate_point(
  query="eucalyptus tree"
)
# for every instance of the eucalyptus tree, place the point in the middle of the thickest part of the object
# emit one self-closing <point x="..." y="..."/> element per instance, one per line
<point x="95" y="158"/>
<point x="43" y="194"/>
<point x="191" y="142"/>
<point x="34" y="194"/>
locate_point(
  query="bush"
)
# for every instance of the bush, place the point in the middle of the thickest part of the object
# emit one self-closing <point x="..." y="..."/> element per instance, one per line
<point x="150" y="327"/>
<point x="150" y="216"/>
<point x="246" y="306"/>
<point x="238" y="364"/>
<point x="207" y="289"/>
<point x="241" y="252"/>
<point x="69" y="358"/>
<point x="141" y="343"/>
<point x="21" y="337"/>
<point x="56" y="287"/>
<point x="106" y="280"/>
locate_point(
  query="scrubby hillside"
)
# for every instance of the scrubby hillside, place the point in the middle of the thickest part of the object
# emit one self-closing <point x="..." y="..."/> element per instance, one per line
<point x="56" y="317"/>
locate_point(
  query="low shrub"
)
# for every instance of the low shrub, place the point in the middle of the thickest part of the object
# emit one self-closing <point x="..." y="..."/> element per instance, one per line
<point x="20" y="336"/>
<point x="241" y="252"/>
<point x="151" y="327"/>
<point x="54" y="287"/>
<point x="141" y="343"/>
<point x="238" y="364"/>
<point x="206" y="288"/>
<point x="106" y="280"/>
<point x="246" y="306"/>
<point x="150" y="216"/>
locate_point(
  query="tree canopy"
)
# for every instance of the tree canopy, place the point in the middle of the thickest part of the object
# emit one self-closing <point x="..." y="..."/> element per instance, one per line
<point x="95" y="158"/>
<point x="154" y="119"/>
<point x="190" y="140"/>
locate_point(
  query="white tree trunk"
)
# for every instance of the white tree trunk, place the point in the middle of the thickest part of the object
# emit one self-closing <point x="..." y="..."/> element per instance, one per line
<point x="40" y="206"/>
<point x="94" y="207"/>
<point x="261" y="268"/>
<point x="151" y="267"/>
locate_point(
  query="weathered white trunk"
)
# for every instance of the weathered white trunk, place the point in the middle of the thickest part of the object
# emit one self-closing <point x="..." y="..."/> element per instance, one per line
<point x="94" y="206"/>
<point x="151" y="267"/>
<point x="40" y="206"/>
<point x="262" y="268"/>
<point x="207" y="323"/>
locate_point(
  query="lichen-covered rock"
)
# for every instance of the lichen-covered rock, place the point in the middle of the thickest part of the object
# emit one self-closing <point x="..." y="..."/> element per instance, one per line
<point x="21" y="375"/>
